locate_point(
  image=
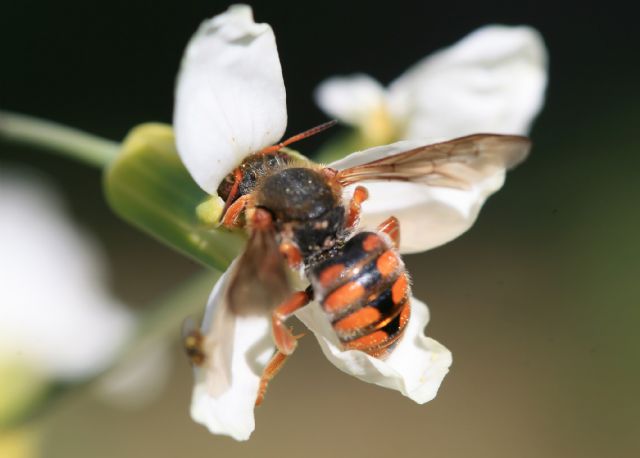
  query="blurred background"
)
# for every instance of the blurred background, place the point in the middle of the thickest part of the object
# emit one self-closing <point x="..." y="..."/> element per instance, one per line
<point x="539" y="303"/>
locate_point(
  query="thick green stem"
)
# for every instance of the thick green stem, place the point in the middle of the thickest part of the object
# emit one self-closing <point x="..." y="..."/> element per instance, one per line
<point x="56" y="138"/>
<point x="148" y="186"/>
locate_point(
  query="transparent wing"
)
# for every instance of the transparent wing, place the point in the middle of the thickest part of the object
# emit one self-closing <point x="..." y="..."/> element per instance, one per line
<point x="259" y="281"/>
<point x="458" y="163"/>
<point x="436" y="191"/>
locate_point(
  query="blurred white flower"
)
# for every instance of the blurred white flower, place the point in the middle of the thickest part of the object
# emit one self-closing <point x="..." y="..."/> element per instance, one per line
<point x="230" y="103"/>
<point x="56" y="316"/>
<point x="493" y="80"/>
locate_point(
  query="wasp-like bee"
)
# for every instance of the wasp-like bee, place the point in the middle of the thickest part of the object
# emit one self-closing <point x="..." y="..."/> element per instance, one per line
<point x="296" y="216"/>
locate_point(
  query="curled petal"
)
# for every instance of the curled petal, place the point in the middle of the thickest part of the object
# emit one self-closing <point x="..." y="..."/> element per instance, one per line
<point x="351" y="99"/>
<point x="230" y="95"/>
<point x="237" y="349"/>
<point x="429" y="216"/>
<point x="493" y="80"/>
<point x="415" y="367"/>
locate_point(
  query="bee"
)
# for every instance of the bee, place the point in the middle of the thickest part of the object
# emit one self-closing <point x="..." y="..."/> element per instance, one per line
<point x="297" y="218"/>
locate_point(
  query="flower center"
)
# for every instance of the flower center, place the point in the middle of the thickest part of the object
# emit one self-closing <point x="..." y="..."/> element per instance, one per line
<point x="379" y="127"/>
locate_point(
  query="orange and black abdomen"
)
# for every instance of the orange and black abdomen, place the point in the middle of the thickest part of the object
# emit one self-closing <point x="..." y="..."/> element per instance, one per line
<point x="364" y="290"/>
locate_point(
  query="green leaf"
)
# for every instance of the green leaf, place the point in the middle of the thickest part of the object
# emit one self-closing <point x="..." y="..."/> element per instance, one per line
<point x="149" y="187"/>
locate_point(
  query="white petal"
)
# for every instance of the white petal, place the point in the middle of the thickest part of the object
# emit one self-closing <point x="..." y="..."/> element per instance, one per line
<point x="230" y="96"/>
<point x="238" y="349"/>
<point x="429" y="216"/>
<point x="493" y="80"/>
<point x="56" y="314"/>
<point x="415" y="367"/>
<point x="351" y="99"/>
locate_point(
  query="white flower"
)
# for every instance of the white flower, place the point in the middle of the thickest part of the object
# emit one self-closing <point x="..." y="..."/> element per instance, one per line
<point x="493" y="80"/>
<point x="230" y="102"/>
<point x="239" y="348"/>
<point x="230" y="98"/>
<point x="56" y="316"/>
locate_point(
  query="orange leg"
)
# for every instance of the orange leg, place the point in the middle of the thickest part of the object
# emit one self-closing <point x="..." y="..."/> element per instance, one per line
<point x="282" y="336"/>
<point x="237" y="176"/>
<point x="230" y="216"/>
<point x="290" y="251"/>
<point x="285" y="341"/>
<point x="359" y="195"/>
<point x="274" y="366"/>
<point x="391" y="227"/>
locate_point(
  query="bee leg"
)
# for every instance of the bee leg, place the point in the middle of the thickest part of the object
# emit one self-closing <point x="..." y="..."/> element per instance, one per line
<point x="292" y="253"/>
<point x="230" y="217"/>
<point x="270" y="371"/>
<point x="391" y="227"/>
<point x="359" y="195"/>
<point x="285" y="341"/>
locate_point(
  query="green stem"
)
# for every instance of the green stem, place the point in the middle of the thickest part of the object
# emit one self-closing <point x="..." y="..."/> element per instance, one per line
<point x="56" y="138"/>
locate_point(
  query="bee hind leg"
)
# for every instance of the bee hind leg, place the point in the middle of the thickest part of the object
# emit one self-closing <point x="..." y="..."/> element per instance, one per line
<point x="284" y="339"/>
<point x="391" y="227"/>
<point x="270" y="371"/>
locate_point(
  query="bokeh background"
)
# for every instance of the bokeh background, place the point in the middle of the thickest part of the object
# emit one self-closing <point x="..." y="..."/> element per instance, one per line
<point x="539" y="302"/>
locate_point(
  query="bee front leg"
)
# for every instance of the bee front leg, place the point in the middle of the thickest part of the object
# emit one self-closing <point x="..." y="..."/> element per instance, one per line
<point x="284" y="339"/>
<point x="359" y="195"/>
<point x="230" y="217"/>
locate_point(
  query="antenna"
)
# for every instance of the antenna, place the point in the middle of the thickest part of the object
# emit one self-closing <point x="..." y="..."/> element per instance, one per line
<point x="298" y="137"/>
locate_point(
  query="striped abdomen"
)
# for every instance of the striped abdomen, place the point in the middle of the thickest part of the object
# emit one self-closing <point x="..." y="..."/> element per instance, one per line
<point x="364" y="290"/>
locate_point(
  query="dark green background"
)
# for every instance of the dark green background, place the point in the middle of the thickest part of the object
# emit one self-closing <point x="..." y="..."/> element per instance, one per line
<point x="539" y="302"/>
